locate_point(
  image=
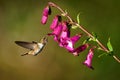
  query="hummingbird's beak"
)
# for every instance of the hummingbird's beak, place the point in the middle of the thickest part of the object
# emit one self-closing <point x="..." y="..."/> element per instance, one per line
<point x="44" y="39"/>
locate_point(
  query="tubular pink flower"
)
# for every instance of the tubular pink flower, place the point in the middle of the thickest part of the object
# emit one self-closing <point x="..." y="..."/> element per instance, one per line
<point x="46" y="12"/>
<point x="55" y="22"/>
<point x="57" y="31"/>
<point x="65" y="35"/>
<point x="88" y="61"/>
<point x="79" y="49"/>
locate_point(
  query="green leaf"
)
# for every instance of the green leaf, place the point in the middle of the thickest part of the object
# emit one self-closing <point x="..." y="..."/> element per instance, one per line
<point x="95" y="36"/>
<point x="78" y="18"/>
<point x="109" y="45"/>
<point x="74" y="27"/>
<point x="102" y="55"/>
<point x="86" y="40"/>
<point x="99" y="48"/>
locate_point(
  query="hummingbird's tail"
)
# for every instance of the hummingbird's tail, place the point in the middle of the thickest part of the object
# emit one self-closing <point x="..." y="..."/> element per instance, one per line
<point x="24" y="54"/>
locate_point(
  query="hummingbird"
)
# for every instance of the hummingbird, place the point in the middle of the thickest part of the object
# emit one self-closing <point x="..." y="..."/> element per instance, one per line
<point x="34" y="47"/>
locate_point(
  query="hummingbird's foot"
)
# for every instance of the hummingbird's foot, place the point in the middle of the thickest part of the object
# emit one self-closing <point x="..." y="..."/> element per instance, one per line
<point x="24" y="54"/>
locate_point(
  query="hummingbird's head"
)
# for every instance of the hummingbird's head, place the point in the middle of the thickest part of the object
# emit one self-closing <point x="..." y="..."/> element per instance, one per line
<point x="44" y="40"/>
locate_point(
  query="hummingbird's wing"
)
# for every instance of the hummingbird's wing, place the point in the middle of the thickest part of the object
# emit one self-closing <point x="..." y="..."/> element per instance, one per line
<point x="28" y="45"/>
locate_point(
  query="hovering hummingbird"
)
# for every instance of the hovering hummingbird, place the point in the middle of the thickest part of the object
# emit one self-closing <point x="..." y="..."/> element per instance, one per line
<point x="35" y="47"/>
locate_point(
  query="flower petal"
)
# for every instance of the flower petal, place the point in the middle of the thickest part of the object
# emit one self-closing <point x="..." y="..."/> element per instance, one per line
<point x="65" y="34"/>
<point x="65" y="26"/>
<point x="44" y="19"/>
<point x="58" y="29"/>
<point x="79" y="49"/>
<point x="68" y="43"/>
<point x="75" y="38"/>
<point x="55" y="22"/>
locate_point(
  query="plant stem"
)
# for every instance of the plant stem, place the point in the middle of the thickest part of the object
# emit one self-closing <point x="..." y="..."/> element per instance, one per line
<point x="90" y="35"/>
<point x="83" y="29"/>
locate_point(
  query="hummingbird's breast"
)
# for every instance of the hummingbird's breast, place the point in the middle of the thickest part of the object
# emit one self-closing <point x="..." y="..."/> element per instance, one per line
<point x="39" y="48"/>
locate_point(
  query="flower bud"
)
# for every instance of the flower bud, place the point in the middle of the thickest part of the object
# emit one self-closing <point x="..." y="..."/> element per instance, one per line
<point x="46" y="12"/>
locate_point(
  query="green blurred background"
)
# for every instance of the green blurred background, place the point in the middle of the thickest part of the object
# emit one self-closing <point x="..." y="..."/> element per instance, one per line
<point x="20" y="20"/>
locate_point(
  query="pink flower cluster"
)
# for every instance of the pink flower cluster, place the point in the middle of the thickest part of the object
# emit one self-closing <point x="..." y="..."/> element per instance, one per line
<point x="61" y="33"/>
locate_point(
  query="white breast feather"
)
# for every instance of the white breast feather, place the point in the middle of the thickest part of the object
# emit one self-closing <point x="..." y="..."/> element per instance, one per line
<point x="40" y="45"/>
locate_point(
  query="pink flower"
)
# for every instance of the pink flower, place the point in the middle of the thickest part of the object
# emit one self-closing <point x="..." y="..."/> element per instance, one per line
<point x="55" y="22"/>
<point x="79" y="49"/>
<point x="46" y="12"/>
<point x="56" y="32"/>
<point x="88" y="61"/>
<point x="65" y="34"/>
